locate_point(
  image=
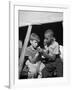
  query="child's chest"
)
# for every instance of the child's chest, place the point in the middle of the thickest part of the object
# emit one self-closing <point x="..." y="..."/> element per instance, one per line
<point x="32" y="67"/>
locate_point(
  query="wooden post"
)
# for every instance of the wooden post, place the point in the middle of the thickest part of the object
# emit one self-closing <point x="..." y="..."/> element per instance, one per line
<point x="24" y="48"/>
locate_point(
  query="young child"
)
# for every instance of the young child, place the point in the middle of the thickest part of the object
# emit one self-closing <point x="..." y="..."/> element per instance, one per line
<point x="33" y="63"/>
<point x="53" y="65"/>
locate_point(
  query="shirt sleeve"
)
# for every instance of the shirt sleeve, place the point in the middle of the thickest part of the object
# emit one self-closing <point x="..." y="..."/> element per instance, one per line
<point x="54" y="49"/>
<point x="28" y="52"/>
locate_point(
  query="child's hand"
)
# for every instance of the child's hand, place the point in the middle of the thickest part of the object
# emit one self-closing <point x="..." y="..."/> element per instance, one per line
<point x="36" y="54"/>
<point x="43" y="57"/>
<point x="46" y="48"/>
<point x="39" y="49"/>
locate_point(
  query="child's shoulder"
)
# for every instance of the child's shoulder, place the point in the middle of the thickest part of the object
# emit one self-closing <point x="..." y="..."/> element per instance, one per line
<point x="28" y="48"/>
<point x="28" y="51"/>
<point x="55" y="44"/>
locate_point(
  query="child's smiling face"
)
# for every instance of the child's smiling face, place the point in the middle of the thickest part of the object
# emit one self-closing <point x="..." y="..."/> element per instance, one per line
<point x="48" y="37"/>
<point x="34" y="43"/>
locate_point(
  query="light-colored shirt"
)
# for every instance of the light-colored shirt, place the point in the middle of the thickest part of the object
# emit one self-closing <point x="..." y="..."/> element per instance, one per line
<point x="53" y="48"/>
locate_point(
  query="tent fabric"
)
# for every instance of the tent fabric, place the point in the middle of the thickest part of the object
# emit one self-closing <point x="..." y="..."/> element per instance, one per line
<point x="37" y="17"/>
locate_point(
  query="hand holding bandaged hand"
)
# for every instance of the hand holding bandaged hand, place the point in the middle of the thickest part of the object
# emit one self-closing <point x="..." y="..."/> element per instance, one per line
<point x="39" y="49"/>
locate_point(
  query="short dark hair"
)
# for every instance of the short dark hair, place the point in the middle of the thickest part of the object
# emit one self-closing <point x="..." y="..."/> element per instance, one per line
<point x="49" y="31"/>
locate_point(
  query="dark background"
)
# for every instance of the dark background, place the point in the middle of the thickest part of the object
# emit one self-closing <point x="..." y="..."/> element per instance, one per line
<point x="57" y="28"/>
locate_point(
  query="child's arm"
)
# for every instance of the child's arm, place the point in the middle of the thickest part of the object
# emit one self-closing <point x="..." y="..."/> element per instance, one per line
<point x="48" y="56"/>
<point x="45" y="54"/>
<point x="34" y="59"/>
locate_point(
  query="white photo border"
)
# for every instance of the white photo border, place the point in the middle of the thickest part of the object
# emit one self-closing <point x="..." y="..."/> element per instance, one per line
<point x="14" y="81"/>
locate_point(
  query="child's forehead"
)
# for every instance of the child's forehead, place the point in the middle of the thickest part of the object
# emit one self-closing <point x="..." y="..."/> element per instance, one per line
<point x="48" y="35"/>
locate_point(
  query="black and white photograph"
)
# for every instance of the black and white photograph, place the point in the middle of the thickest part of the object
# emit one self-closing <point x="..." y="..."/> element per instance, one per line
<point x="40" y="44"/>
<point x="36" y="44"/>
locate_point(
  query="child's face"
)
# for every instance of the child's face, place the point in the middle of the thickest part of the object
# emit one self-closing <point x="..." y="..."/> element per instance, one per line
<point x="34" y="43"/>
<point x="48" y="37"/>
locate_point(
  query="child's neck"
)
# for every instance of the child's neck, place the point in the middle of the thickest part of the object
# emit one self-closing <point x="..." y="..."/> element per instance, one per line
<point x="50" y="43"/>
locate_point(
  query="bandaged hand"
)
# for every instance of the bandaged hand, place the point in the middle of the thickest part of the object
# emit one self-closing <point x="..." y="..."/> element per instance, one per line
<point x="39" y="49"/>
